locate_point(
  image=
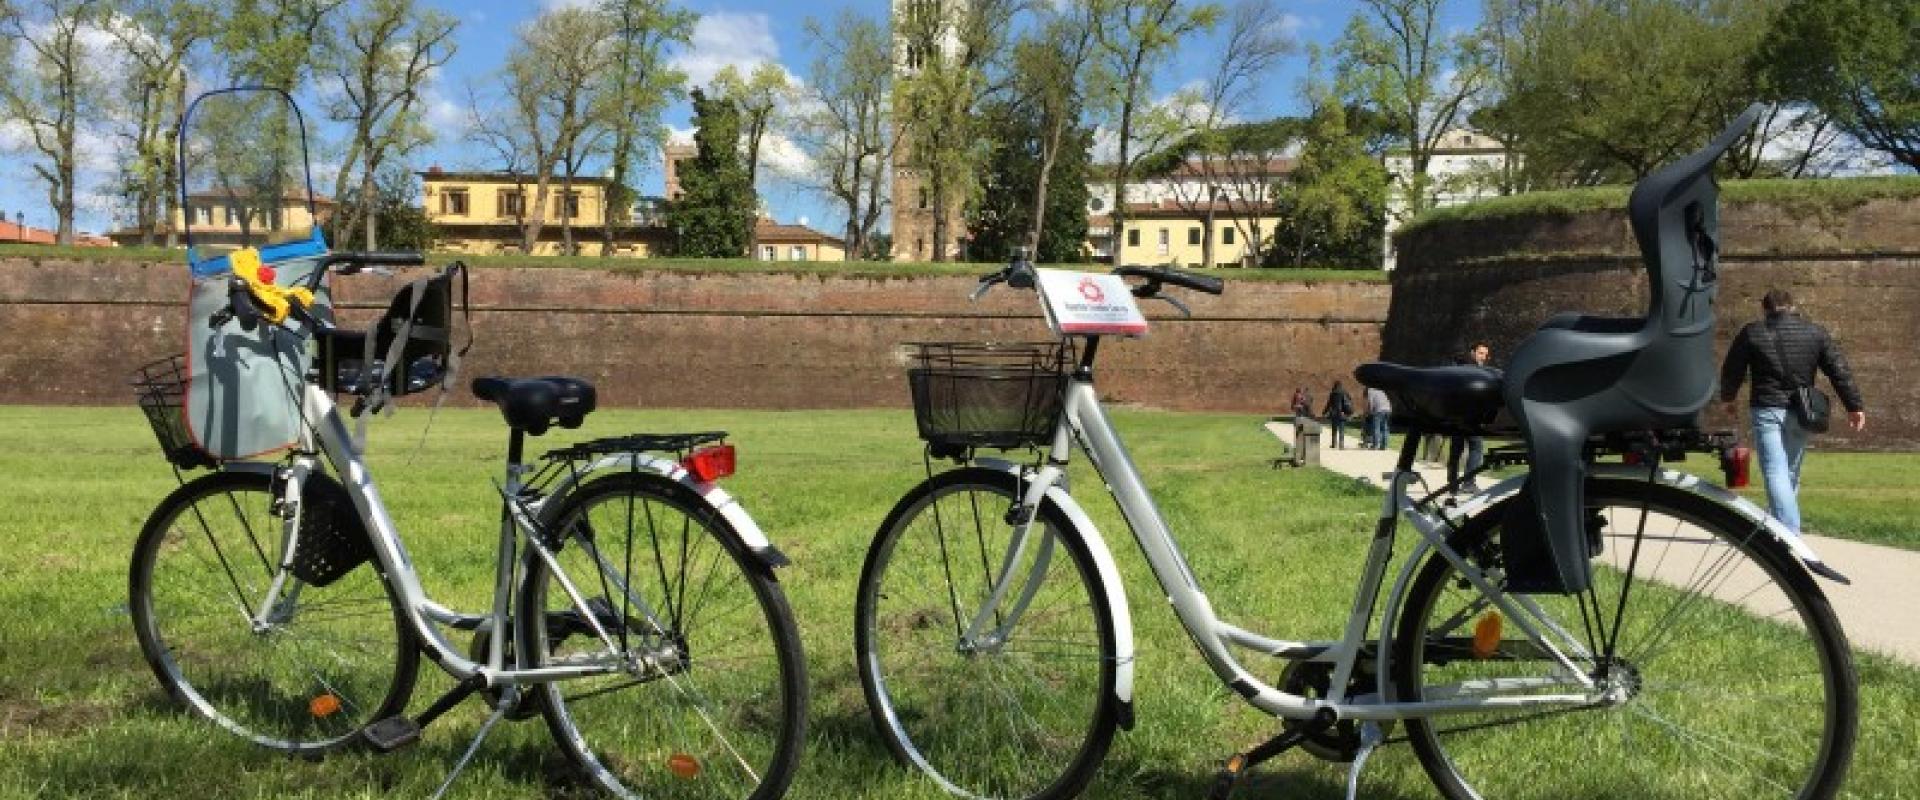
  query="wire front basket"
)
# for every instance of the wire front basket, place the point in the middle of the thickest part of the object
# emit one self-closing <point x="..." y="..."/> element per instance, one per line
<point x="983" y="394"/>
<point x="160" y="388"/>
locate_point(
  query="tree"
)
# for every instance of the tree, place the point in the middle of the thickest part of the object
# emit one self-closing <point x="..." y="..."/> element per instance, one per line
<point x="1231" y="159"/>
<point x="758" y="96"/>
<point x="1855" y="61"/>
<point x="550" y="82"/>
<point x="55" y="91"/>
<point x="849" y="131"/>
<point x="640" y="84"/>
<point x="1057" y="74"/>
<point x="1004" y="217"/>
<point x="1136" y="38"/>
<point x="274" y="42"/>
<point x="715" y="213"/>
<point x="1333" y="205"/>
<point x="383" y="56"/>
<point x="1236" y="165"/>
<point x="401" y="224"/>
<point x="1399" y="63"/>
<point x="156" y="37"/>
<point x="1599" y="91"/>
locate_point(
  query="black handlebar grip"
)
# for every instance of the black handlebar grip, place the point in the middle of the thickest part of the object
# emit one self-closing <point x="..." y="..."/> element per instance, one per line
<point x="1187" y="280"/>
<point x="396" y="259"/>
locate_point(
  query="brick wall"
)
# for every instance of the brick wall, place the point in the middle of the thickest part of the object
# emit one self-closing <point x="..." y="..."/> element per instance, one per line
<point x="1855" y="270"/>
<point x="76" y="330"/>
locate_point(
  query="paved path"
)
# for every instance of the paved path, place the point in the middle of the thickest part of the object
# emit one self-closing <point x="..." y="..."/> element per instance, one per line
<point x="1880" y="610"/>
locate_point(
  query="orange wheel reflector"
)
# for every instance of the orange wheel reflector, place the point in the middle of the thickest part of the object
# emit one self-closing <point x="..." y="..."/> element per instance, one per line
<point x="683" y="766"/>
<point x="1486" y="636"/>
<point x="325" y="705"/>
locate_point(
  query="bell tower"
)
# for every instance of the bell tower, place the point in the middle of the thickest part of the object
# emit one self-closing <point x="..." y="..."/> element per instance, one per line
<point x="920" y="27"/>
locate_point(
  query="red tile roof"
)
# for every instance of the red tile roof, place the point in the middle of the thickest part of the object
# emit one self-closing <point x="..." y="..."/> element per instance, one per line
<point x="16" y="234"/>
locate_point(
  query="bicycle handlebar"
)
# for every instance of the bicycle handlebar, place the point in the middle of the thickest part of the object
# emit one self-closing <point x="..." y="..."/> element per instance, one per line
<point x="1155" y="276"/>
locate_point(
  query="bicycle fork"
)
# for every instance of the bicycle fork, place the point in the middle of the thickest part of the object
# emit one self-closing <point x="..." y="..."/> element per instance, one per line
<point x="1022" y="516"/>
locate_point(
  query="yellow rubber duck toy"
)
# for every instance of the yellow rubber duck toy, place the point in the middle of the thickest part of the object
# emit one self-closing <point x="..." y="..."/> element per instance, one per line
<point x="274" y="299"/>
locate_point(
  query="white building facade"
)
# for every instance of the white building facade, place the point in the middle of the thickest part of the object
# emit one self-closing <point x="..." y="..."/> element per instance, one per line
<point x="1465" y="166"/>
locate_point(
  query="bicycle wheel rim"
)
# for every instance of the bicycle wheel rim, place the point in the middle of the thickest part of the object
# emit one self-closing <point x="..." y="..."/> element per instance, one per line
<point x="729" y="722"/>
<point x="1737" y="681"/>
<point x="1015" y="721"/>
<point x="327" y="664"/>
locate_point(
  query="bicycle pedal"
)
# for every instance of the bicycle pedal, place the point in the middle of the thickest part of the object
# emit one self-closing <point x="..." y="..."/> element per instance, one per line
<point x="391" y="734"/>
<point x="1228" y="777"/>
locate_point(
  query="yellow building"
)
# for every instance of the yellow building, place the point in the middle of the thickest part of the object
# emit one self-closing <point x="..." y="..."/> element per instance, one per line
<point x="226" y="219"/>
<point x="778" y="242"/>
<point x="482" y="213"/>
<point x="1169" y="233"/>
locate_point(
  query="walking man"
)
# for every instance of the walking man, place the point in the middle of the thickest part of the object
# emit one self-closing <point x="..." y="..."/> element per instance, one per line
<point x="1473" y="447"/>
<point x="1781" y="353"/>
<point x="1379" y="412"/>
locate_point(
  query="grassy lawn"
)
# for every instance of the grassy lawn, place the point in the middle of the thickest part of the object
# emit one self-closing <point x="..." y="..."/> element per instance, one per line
<point x="882" y="269"/>
<point x="81" y="716"/>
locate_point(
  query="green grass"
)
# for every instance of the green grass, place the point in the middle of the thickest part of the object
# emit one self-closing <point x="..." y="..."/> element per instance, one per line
<point x="1805" y="196"/>
<point x="80" y="715"/>
<point x="877" y="269"/>
<point x="1867" y="497"/>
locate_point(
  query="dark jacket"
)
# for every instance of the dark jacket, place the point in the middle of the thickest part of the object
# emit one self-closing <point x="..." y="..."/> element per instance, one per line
<point x="1339" y="405"/>
<point x="1805" y="346"/>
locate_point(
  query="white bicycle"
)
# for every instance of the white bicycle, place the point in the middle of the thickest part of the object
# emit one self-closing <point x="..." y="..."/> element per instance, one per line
<point x="634" y="604"/>
<point x="1682" y="650"/>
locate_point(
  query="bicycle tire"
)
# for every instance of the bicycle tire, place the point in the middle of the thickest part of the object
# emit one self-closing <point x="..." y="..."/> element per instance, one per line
<point x="688" y="731"/>
<point x="1677" y="692"/>
<point x="211" y="548"/>
<point x="969" y="756"/>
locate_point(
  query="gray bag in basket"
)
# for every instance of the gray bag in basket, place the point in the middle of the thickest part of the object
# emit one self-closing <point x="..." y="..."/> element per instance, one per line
<point x="244" y="387"/>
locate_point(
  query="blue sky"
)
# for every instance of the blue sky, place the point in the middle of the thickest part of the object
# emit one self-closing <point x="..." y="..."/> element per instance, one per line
<point x="731" y="32"/>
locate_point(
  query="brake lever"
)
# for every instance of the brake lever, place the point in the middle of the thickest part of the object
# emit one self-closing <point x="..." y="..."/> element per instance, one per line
<point x="986" y="284"/>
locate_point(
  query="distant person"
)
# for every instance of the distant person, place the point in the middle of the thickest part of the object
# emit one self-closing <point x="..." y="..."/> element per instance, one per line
<point x="1473" y="447"/>
<point x="1339" y="407"/>
<point x="1781" y="352"/>
<point x="1379" y="415"/>
<point x="1302" y="404"/>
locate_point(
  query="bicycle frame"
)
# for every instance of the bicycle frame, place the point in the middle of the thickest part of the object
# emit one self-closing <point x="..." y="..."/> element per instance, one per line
<point x="326" y="434"/>
<point x="1084" y="422"/>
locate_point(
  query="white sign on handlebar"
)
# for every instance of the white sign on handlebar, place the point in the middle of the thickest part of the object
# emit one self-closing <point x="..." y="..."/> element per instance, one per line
<point x="1088" y="303"/>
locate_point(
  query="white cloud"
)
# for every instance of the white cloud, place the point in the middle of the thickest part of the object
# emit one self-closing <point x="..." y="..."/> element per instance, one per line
<point x="782" y="157"/>
<point x="727" y="38"/>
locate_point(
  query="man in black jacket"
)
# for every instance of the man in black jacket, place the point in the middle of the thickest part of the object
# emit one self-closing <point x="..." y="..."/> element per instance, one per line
<point x="1782" y="351"/>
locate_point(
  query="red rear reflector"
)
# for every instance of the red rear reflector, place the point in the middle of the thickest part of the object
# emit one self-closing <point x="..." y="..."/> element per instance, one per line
<point x="1737" y="463"/>
<point x="709" y="464"/>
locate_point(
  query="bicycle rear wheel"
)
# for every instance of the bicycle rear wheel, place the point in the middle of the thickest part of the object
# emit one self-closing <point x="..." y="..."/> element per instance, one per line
<point x="1729" y="675"/>
<point x="306" y="678"/>
<point x="1028" y="717"/>
<point x="710" y="696"/>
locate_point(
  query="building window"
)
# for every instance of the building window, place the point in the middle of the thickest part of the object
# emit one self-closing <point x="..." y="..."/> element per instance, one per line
<point x="769" y="252"/>
<point x="799" y="253"/>
<point x="570" y="206"/>
<point x="1226" y="235"/>
<point x="206" y="214"/>
<point x="512" y="203"/>
<point x="453" y="201"/>
<point x="1133" y="238"/>
<point x="1096" y="205"/>
<point x="1166" y="241"/>
<point x="1193" y="235"/>
<point x="923" y="197"/>
<point x="228" y="216"/>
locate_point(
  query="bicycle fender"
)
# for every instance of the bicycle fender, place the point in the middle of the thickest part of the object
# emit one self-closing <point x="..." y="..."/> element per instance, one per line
<point x="1717" y="494"/>
<point x="744" y="528"/>
<point x="1116" y="592"/>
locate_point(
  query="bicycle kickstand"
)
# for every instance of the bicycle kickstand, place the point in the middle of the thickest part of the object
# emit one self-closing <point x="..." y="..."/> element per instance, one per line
<point x="509" y="701"/>
<point x="1370" y="738"/>
<point x="1240" y="764"/>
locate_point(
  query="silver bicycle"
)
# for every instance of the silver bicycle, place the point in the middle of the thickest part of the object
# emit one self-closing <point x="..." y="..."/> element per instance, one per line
<point x="634" y="604"/>
<point x="1691" y="655"/>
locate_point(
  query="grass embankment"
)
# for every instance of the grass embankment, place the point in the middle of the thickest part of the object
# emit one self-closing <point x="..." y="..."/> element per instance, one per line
<point x="875" y="269"/>
<point x="1809" y="196"/>
<point x="80" y="715"/>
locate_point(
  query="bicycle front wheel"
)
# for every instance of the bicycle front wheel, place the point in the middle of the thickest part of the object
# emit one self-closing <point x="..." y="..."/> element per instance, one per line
<point x="303" y="676"/>
<point x="1723" y="671"/>
<point x="707" y="697"/>
<point x="1026" y="714"/>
